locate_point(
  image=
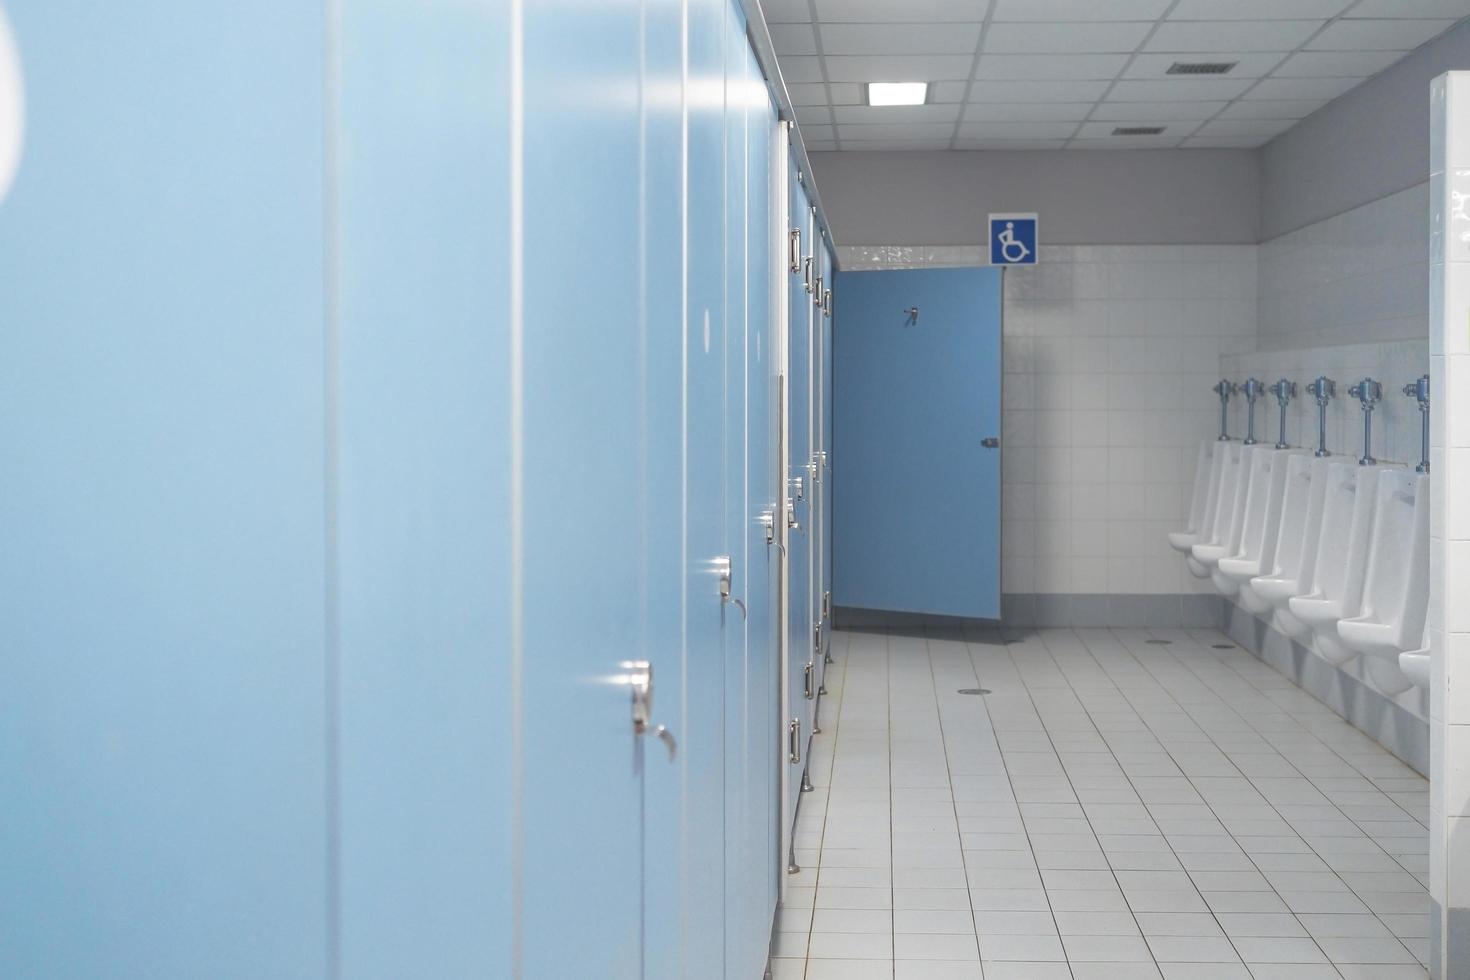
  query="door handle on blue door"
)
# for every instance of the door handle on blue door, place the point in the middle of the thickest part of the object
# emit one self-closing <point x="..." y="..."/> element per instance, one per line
<point x="990" y="442"/>
<point x="640" y="681"/>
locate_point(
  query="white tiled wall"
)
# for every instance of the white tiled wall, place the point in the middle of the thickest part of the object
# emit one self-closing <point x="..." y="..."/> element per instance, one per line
<point x="1110" y="352"/>
<point x="1358" y="277"/>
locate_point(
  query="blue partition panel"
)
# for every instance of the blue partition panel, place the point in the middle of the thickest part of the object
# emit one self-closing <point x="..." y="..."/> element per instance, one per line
<point x="798" y="448"/>
<point x="162" y="672"/>
<point x="918" y="506"/>
<point x="427" y="684"/>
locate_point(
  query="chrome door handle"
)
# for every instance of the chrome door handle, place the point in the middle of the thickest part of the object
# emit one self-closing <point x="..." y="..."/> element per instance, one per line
<point x="807" y="682"/>
<point x="799" y="485"/>
<point x="640" y="681"/>
<point x="793" y="741"/>
<point x="725" y="570"/>
<point x="791" y="515"/>
<point x="990" y="442"/>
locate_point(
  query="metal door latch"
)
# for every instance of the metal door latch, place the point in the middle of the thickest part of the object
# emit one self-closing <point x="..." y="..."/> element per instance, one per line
<point x="990" y="442"/>
<point x="767" y="520"/>
<point x="799" y="485"/>
<point x="640" y="681"/>
<point x="791" y="515"/>
<point x="725" y="570"/>
<point x="793" y="741"/>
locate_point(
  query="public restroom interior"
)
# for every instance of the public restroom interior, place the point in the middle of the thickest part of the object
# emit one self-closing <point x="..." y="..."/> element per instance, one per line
<point x="791" y="489"/>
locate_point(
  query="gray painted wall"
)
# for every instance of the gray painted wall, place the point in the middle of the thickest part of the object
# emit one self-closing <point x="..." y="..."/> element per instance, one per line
<point x="1372" y="142"/>
<point x="1085" y="197"/>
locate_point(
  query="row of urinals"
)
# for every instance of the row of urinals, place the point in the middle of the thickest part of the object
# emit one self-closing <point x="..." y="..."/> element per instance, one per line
<point x="1335" y="553"/>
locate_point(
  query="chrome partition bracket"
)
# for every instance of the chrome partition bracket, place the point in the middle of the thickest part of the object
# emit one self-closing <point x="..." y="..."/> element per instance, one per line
<point x="1368" y="393"/>
<point x="1252" y="389"/>
<point x="1324" y="389"/>
<point x="1224" y="389"/>
<point x="1420" y="390"/>
<point x="1284" y="391"/>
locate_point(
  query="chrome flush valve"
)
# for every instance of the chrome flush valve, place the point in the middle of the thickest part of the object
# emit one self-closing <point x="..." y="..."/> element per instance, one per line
<point x="1285" y="391"/>
<point x="1224" y="389"/>
<point x="1369" y="393"/>
<point x="1420" y="390"/>
<point x="1252" y="389"/>
<point x="1324" y="389"/>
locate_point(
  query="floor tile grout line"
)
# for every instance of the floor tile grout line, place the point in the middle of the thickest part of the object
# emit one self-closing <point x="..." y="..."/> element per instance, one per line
<point x="1010" y="780"/>
<point x="1303" y="839"/>
<point x="949" y="780"/>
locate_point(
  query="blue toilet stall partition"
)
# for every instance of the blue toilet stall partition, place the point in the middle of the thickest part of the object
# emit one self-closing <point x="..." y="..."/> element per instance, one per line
<point x="394" y="503"/>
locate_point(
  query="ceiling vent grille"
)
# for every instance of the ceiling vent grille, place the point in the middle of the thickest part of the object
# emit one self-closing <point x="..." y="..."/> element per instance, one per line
<point x="1138" y="130"/>
<point x="1201" y="67"/>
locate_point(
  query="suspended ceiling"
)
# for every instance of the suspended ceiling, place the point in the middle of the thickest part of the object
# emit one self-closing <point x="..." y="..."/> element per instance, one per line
<point x="1064" y="74"/>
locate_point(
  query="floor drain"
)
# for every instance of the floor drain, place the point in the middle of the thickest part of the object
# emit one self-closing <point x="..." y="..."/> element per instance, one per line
<point x="1222" y="646"/>
<point x="1163" y="643"/>
<point x="972" y="690"/>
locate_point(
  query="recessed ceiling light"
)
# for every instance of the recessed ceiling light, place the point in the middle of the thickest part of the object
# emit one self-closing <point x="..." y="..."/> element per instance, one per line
<point x="897" y="93"/>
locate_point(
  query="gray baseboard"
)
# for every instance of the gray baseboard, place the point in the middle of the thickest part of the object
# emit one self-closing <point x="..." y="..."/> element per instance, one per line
<point x="1024" y="610"/>
<point x="1389" y="724"/>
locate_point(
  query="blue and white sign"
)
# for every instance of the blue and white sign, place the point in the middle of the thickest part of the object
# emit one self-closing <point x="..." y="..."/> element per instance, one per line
<point x="1013" y="238"/>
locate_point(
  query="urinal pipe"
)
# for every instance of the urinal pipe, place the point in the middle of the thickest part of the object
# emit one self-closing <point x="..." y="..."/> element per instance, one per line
<point x="1224" y="389"/>
<point x="1324" y="389"/>
<point x="1368" y="392"/>
<point x="1284" y="391"/>
<point x="1252" y="390"/>
<point x="1420" y="390"/>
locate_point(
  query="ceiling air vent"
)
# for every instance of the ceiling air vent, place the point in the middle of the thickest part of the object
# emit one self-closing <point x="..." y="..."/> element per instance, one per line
<point x="1201" y="67"/>
<point x="1138" y="130"/>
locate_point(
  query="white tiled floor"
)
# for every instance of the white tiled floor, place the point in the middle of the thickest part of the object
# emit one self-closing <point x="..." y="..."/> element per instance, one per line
<point x="1115" y="807"/>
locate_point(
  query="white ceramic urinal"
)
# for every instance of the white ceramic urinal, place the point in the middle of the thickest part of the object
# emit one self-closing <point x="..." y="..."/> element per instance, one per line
<point x="1260" y="525"/>
<point x="1395" y="600"/>
<point x="1234" y="471"/>
<point x="1204" y="466"/>
<point x="1342" y="557"/>
<point x="1296" y="544"/>
<point x="1415" y="664"/>
<point x="1223" y="457"/>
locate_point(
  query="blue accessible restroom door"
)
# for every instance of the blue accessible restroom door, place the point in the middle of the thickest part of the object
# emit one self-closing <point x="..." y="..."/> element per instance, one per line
<point x="916" y="458"/>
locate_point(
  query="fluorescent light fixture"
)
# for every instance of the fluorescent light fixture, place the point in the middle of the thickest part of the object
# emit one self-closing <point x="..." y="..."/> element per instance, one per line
<point x="897" y="93"/>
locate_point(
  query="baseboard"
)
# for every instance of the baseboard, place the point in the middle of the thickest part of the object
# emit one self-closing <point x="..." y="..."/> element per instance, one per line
<point x="1024" y="610"/>
<point x="1388" y="723"/>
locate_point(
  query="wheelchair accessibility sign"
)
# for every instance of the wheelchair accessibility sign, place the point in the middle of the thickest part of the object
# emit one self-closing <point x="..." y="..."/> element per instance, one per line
<point x="1013" y="239"/>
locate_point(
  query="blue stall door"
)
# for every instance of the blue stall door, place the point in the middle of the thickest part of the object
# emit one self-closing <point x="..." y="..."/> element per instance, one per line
<point x="917" y="490"/>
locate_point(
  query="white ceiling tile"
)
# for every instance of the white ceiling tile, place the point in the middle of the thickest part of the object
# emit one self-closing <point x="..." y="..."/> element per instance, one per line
<point x="1027" y="111"/>
<point x="1336" y="64"/>
<point x="1041" y="66"/>
<point x="948" y="91"/>
<point x="805" y="94"/>
<point x="900" y="38"/>
<point x="847" y="93"/>
<point x="1223" y="142"/>
<point x="1272" y="109"/>
<point x="897" y="68"/>
<point x="800" y="68"/>
<point x="1251" y="64"/>
<point x="895" y="144"/>
<point x="1175" y="130"/>
<point x="895" y="131"/>
<point x="1377" y="35"/>
<point x="1148" y="112"/>
<point x="897" y="114"/>
<point x="1017" y="130"/>
<point x="898" y="11"/>
<point x="1009" y="144"/>
<point x="1077" y="91"/>
<point x="1258" y="9"/>
<point x="1075" y="10"/>
<point x="818" y="132"/>
<point x="1179" y="90"/>
<point x="1064" y="38"/>
<point x="1263" y="35"/>
<point x="1411" y="8"/>
<point x="821" y="146"/>
<point x="1301" y="88"/>
<point x="785" y="11"/>
<point x="814" y="114"/>
<point x="793" y="39"/>
<point x="1265" y="128"/>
